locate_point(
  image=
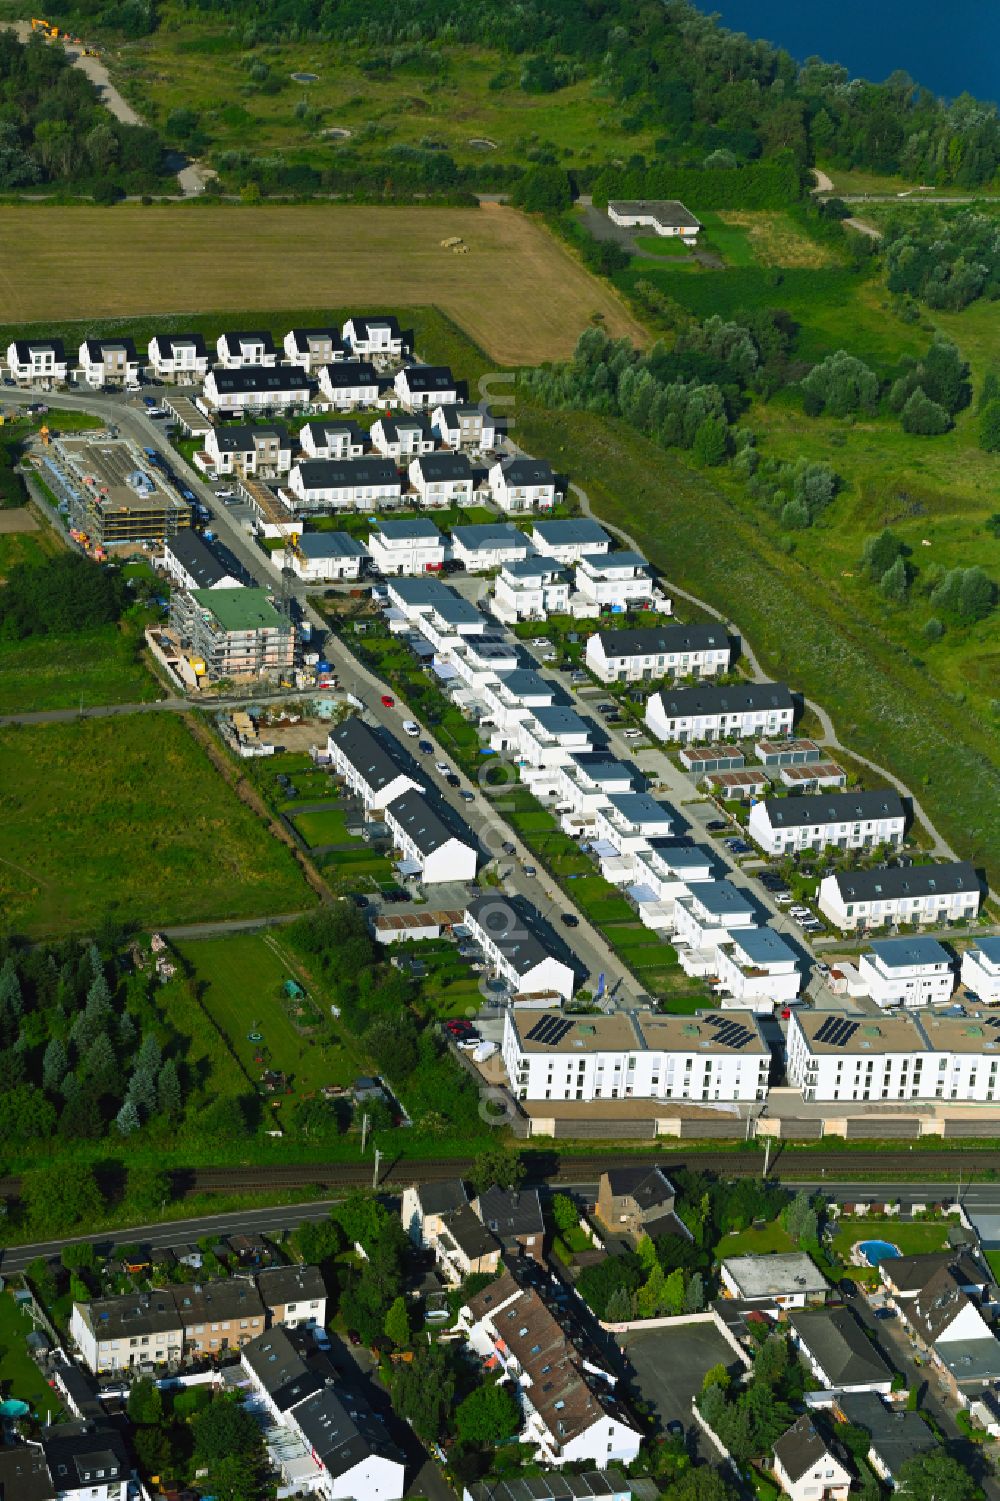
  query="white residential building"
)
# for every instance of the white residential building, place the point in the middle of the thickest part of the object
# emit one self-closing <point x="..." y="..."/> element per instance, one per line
<point x="374" y="336"/>
<point x="512" y="698"/>
<point x="919" y="894"/>
<point x="843" y="820"/>
<point x="191" y="563"/>
<point x="658" y="652"/>
<point x="548" y="738"/>
<point x="238" y="351"/>
<point x="439" y="1218"/>
<point x="835" y="1347"/>
<point x="484" y="547"/>
<point x="441" y="615"/>
<point x="616" y="581"/>
<point x="345" y="484"/>
<point x="178" y="357"/>
<point x="37" y="361"/>
<point x="907" y="972"/>
<point x="313" y="347"/>
<point x="373" y="765"/>
<point x="402" y="438"/>
<point x="407" y="547"/>
<point x="349" y="384"/>
<point x="570" y="540"/>
<point x="462" y="425"/>
<point x="757" y="968"/>
<point x="519" y="947"/>
<point x="522" y="484"/>
<point x="707" y="915"/>
<point x="712" y="711"/>
<point x="85" y="1462"/>
<point x="807" y="1466"/>
<point x="326" y="438"/>
<point x="778" y="1279"/>
<point x="442" y="479"/>
<point x="636" y="1055"/>
<point x="424" y="387"/>
<point x="323" y="557"/>
<point x="264" y="451"/>
<point x="109" y="362"/>
<point x="256" y="388"/>
<point x="433" y="847"/>
<point x="530" y="589"/>
<point x="664" y="216"/>
<point x="981" y="969"/>
<point x="631" y="820"/>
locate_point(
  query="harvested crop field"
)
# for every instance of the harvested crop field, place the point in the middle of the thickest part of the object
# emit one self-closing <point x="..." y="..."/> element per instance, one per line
<point x="518" y="293"/>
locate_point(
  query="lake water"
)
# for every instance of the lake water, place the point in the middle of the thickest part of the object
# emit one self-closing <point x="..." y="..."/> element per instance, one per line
<point x="948" y="51"/>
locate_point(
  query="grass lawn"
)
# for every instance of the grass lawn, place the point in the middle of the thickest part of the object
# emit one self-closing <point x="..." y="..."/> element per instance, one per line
<point x="755" y="1242"/>
<point x="768" y="239"/>
<point x="97" y="666"/>
<point x="668" y="245"/>
<point x="29" y="547"/>
<point x="913" y="1238"/>
<point x="993" y="1260"/>
<point x="233" y="255"/>
<point x="128" y="817"/>
<point x="241" y="979"/>
<point x="19" y="1375"/>
<point x="326" y="827"/>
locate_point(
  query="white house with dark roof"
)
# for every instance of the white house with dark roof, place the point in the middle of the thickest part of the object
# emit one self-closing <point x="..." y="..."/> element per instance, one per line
<point x="439" y="1218"/>
<point x="907" y="972"/>
<point x="375" y="336"/>
<point x="664" y="216"/>
<point x="519" y="946"/>
<point x="239" y="351"/>
<point x="323" y="557"/>
<point x="253" y="388"/>
<point x="345" y="484"/>
<point x="373" y="764"/>
<point x="522" y="484"/>
<point x="442" y="479"/>
<point x="843" y="820"/>
<point x="918" y="894"/>
<point x="423" y="387"/>
<point x="313" y="347"/>
<point x="407" y="547"/>
<point x="712" y="711"/>
<point x="571" y="539"/>
<point x="489" y="545"/>
<point x="192" y="563"/>
<point x="617" y="581"/>
<point x="86" y="1461"/>
<point x="330" y="438"/>
<point x="465" y="425"/>
<point x="531" y="588"/>
<point x="810" y="1467"/>
<point x="434" y="846"/>
<point x="261" y="449"/>
<point x="981" y="969"/>
<point x="37" y="361"/>
<point x="403" y="437"/>
<point x="511" y="698"/>
<point x="834" y="1346"/>
<point x="109" y="362"/>
<point x="644" y="655"/>
<point x="348" y="384"/>
<point x="758" y="968"/>
<point x="178" y="357"/>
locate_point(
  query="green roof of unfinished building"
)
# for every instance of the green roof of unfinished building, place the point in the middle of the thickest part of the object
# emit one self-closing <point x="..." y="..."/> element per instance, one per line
<point x="239" y="609"/>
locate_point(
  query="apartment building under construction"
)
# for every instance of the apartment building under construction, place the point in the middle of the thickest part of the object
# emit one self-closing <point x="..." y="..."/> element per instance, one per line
<point x="231" y="633"/>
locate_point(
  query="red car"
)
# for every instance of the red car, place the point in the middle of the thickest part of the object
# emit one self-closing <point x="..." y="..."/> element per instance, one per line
<point x="388" y="702"/>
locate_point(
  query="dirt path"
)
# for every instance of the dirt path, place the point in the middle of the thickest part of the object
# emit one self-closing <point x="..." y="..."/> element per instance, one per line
<point x="824" y="184"/>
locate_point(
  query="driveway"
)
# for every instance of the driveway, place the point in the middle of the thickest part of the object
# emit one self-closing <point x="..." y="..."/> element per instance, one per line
<point x="670" y="1366"/>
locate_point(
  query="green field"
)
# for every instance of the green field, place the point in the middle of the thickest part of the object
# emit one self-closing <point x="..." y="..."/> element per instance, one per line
<point x="127" y="817"/>
<point x="20" y="1377"/>
<point x="28" y="549"/>
<point x="101" y="665"/>
<point x="240" y="981"/>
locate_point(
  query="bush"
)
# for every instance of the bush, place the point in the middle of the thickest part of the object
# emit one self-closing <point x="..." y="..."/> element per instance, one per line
<point x="924" y="417"/>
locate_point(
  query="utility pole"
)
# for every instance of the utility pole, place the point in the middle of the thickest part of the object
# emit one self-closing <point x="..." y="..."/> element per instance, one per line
<point x="364" y="1132"/>
<point x="378" y="1159"/>
<point x="767" y="1155"/>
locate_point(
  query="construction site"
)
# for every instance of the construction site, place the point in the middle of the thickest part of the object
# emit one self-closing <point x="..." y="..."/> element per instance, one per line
<point x="113" y="495"/>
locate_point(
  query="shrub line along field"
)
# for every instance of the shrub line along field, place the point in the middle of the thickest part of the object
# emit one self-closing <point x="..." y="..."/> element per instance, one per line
<point x="518" y="293"/>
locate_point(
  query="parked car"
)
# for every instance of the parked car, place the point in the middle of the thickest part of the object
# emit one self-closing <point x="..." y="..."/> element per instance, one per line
<point x="782" y="898"/>
<point x="632" y="733"/>
<point x="885" y="1313"/>
<point x="465" y="794"/>
<point x="359" y="901"/>
<point x="607" y="708"/>
<point x="442" y="767"/>
<point x="717" y="826"/>
<point x="425" y="747"/>
<point x="570" y="920"/>
<point x="411" y="728"/>
<point x="354" y="1336"/>
<point x="453" y="780"/>
<point x="529" y="870"/>
<point x="823" y="969"/>
<point x="388" y="702"/>
<point x="507" y="847"/>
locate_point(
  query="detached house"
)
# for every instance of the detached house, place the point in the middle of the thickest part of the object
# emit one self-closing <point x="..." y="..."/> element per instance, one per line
<point x="808" y="1466"/>
<point x="374" y="336"/>
<point x="37" y="361"/>
<point x="834" y="1346"/>
<point x="570" y="540"/>
<point x="423" y="387"/>
<point x="523" y="485"/>
<point x="660" y="651"/>
<point x="711" y="712"/>
<point x="439" y="1218"/>
<point x="253" y="388"/>
<point x="442" y="479"/>
<point x="265" y="451"/>
<point x="407" y="547"/>
<point x="896" y="1436"/>
<point x="403" y="437"/>
<point x="349" y="384"/>
<point x="313" y="347"/>
<point x="907" y="972"/>
<point x="345" y="484"/>
<point x="519" y="947"/>
<point x="464" y="425"/>
<point x="638" y="1201"/>
<point x="920" y="894"/>
<point x="178" y="357"/>
<point x="775" y="1280"/>
<point x="845" y="820"/>
<point x="372" y="763"/>
<point x="664" y="216"/>
<point x="324" y="557"/>
<point x="109" y="362"/>
<point x="482" y="548"/>
<point x="324" y="438"/>
<point x="241" y="351"/>
<point x="616" y="581"/>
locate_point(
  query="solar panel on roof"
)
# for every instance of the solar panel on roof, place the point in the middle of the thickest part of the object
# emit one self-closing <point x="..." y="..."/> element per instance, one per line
<point x="825" y="1028"/>
<point x="561" y="1028"/>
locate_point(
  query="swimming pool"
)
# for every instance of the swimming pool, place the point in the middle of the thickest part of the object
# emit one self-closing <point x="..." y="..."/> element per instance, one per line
<point x="876" y="1251"/>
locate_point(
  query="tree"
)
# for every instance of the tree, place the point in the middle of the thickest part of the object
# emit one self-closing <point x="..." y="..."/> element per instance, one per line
<point x="128" y="1119"/>
<point x="839" y="385"/>
<point x="543" y="190"/>
<point x="78" y="1257"/>
<point x="78" y="1289"/>
<point x="880" y="553"/>
<point x="564" y="1213"/>
<point x="319" y="1241"/>
<point x="10" y="989"/>
<point x="895" y="582"/>
<point x="620" y="1307"/>
<point x="142" y="1091"/>
<point x="694" y="1294"/>
<point x="699" y="1483"/>
<point x="935" y="1476"/>
<point x="488" y="1415"/>
<point x="711" y="442"/>
<point x="651" y="1299"/>
<point x="923" y="417"/>
<point x="224" y="1429"/>
<point x="944" y="375"/>
<point x="716" y="1375"/>
<point x="56" y="1200"/>
<point x="989" y="427"/>
<point x="933" y="630"/>
<point x="55" y="1062"/>
<point x="148" y="1189"/>
<point x="771" y="1362"/>
<point x="397" y="1323"/>
<point x="422" y="1391"/>
<point x="168" y="1091"/>
<point x="801" y="1220"/>
<point x="145" y="1402"/>
<point x="497" y="1165"/>
<point x="964" y="595"/>
<point x="237" y="1478"/>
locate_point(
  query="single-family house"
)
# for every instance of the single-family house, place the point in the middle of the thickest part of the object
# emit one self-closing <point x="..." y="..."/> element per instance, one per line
<point x="241" y="351"/>
<point x="948" y="1327"/>
<point x="664" y="216"/>
<point x="842" y="820"/>
<point x="919" y="894"/>
<point x="700" y="651"/>
<point x="85" y="1461"/>
<point x="616" y="581"/>
<point x="522" y="484"/>
<point x="465" y="425"/>
<point x="571" y="539"/>
<point x="109" y="362"/>
<point x="349" y="384"/>
<point x="519" y="947"/>
<point x="439" y="1218"/>
<point x="323" y="557"/>
<point x="256" y="388"/>
<point x="37" y="361"/>
<point x="407" y="547"/>
<point x="402" y="437"/>
<point x="907" y="972"/>
<point x="777" y="1279"/>
<point x="810" y="1466"/>
<point x="373" y="337"/>
<point x="711" y="711"/>
<point x="905" y="1277"/>
<point x="372" y="763"/>
<point x="896" y="1434"/>
<point x="834" y="1346"/>
<point x="490" y="545"/>
<point x="530" y="588"/>
<point x="424" y="387"/>
<point x="435" y="844"/>
<point x="192" y="563"/>
<point x="442" y="479"/>
<point x="178" y="357"/>
<point x="313" y="347"/>
<point x="294" y="1296"/>
<point x="514" y="1216"/>
<point x="345" y="484"/>
<point x="330" y="438"/>
<point x="981" y="969"/>
<point x="638" y="1201"/>
<point x="758" y="968"/>
<point x="264" y="450"/>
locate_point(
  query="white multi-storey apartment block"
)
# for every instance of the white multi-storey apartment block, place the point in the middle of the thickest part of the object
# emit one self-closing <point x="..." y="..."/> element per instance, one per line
<point x="411" y="547"/>
<point x="616" y="581"/>
<point x="636" y="1055"/>
<point x="919" y="894"/>
<point x="549" y="737"/>
<point x="757" y="968"/>
<point x="630" y="820"/>
<point x="981" y="969"/>
<point x="658" y="652"/>
<point x="711" y="711"/>
<point x="844" y="820"/>
<point x="710" y="912"/>
<point x="906" y="1056"/>
<point x="907" y="972"/>
<point x="530" y="589"/>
